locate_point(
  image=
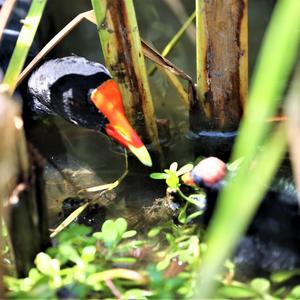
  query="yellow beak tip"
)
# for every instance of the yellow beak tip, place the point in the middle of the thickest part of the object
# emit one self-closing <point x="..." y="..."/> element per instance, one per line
<point x="142" y="154"/>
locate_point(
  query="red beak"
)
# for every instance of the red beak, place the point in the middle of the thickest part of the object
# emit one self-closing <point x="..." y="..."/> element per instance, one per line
<point x="108" y="99"/>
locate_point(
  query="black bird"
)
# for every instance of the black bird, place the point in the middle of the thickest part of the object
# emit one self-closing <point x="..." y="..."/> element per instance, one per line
<point x="84" y="93"/>
<point x="272" y="240"/>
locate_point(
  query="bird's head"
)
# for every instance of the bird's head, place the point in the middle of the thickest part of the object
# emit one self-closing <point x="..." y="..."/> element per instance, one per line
<point x="108" y="99"/>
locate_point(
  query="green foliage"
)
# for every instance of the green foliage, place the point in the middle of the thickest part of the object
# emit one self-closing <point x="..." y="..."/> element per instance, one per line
<point x="89" y="266"/>
<point x="172" y="178"/>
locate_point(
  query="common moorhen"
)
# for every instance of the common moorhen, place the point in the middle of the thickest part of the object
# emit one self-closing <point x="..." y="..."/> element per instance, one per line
<point x="84" y="93"/>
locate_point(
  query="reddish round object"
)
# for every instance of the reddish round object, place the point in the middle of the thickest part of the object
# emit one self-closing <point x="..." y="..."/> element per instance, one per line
<point x="210" y="170"/>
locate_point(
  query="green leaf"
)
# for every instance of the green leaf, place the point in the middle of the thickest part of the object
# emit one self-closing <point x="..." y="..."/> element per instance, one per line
<point x="68" y="252"/>
<point x="46" y="265"/>
<point x="162" y="265"/>
<point x="281" y="276"/>
<point x="185" y="169"/>
<point x="174" y="166"/>
<point x="129" y="234"/>
<point x="194" y="215"/>
<point x="182" y="214"/>
<point x="172" y="181"/>
<point x="88" y="253"/>
<point x="124" y="260"/>
<point x="109" y="233"/>
<point x="159" y="175"/>
<point x="136" y="294"/>
<point x="154" y="232"/>
<point x="295" y="293"/>
<point x="260" y="285"/>
<point x="121" y="225"/>
<point x="236" y="292"/>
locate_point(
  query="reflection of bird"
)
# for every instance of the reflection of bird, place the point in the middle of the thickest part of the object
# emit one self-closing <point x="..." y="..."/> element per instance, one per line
<point x="83" y="92"/>
<point x="272" y="240"/>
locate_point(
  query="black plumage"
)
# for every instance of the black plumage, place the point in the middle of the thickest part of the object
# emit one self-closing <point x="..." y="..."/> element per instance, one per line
<point x="63" y="87"/>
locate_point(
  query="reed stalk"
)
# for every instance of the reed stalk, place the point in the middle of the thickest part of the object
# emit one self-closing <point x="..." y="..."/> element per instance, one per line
<point x="222" y="64"/>
<point x="240" y="198"/>
<point x="121" y="46"/>
<point x="24" y="42"/>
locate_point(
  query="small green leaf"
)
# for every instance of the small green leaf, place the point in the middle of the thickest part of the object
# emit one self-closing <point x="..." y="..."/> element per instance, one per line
<point x="194" y="215"/>
<point x="174" y="166"/>
<point x="68" y="252"/>
<point x="88" y="254"/>
<point x="186" y="168"/>
<point x="98" y="235"/>
<point x="159" y="175"/>
<point x="121" y="225"/>
<point x="236" y="292"/>
<point x="109" y="233"/>
<point x="129" y="234"/>
<point x="172" y="181"/>
<point x="154" y="232"/>
<point x="281" y="276"/>
<point x="162" y="265"/>
<point x="260" y="285"/>
<point x="295" y="293"/>
<point x="44" y="263"/>
<point x="124" y="260"/>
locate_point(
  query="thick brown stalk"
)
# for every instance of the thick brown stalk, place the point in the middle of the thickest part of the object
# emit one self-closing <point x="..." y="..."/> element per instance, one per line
<point x="123" y="54"/>
<point x="222" y="64"/>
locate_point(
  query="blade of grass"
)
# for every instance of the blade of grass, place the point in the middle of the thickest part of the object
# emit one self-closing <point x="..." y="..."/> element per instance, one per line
<point x="239" y="200"/>
<point x="292" y="109"/>
<point x="175" y="39"/>
<point x="25" y="39"/>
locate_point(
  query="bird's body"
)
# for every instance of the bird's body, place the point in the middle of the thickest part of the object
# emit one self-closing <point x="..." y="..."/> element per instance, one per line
<point x="63" y="87"/>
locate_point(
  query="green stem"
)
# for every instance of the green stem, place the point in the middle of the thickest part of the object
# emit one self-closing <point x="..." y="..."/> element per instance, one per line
<point x="175" y="39"/>
<point x="25" y="39"/>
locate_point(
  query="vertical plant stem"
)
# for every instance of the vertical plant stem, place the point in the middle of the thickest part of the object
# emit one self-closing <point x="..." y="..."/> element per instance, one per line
<point x="241" y="197"/>
<point x="121" y="45"/>
<point x="25" y="39"/>
<point x="175" y="39"/>
<point x="222" y="67"/>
